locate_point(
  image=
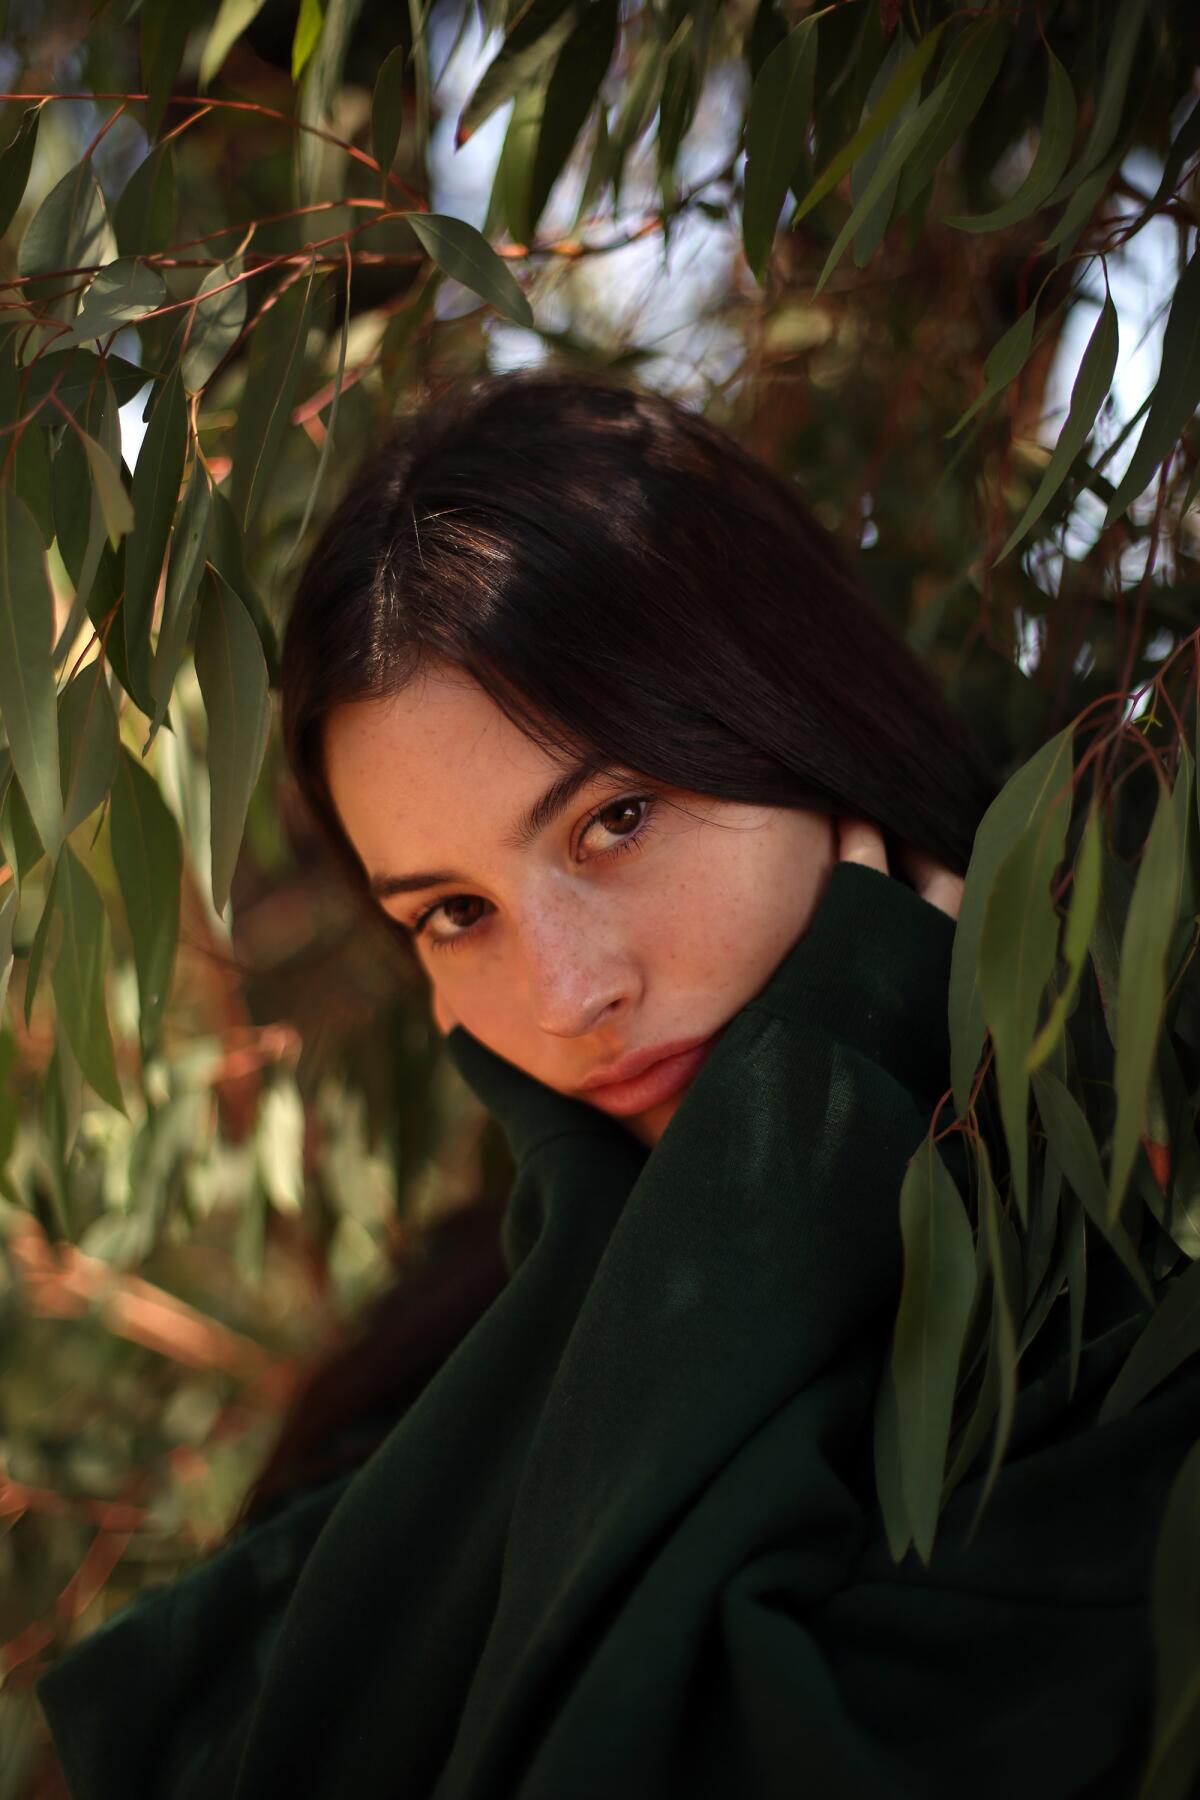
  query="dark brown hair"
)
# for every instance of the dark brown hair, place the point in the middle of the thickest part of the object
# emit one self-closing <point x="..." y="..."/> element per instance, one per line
<point x="621" y="578"/>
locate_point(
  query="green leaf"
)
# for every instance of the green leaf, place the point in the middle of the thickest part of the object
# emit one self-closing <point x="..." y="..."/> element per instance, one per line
<point x="156" y="480"/>
<point x="462" y="253"/>
<point x="15" y="165"/>
<point x="264" y="417"/>
<point x="387" y="108"/>
<point x="165" y="26"/>
<point x="189" y="542"/>
<point x="68" y="229"/>
<point x="1087" y="396"/>
<point x="1170" y="1337"/>
<point x="1017" y="945"/>
<point x="41" y="937"/>
<point x="1053" y="153"/>
<point x="233" y="17"/>
<point x="318" y="482"/>
<point x="1004" y="363"/>
<point x="74" y="376"/>
<point x="79" y="977"/>
<point x="1176" y="393"/>
<point x="88" y="744"/>
<point x="309" y="21"/>
<point x="574" y="84"/>
<point x="888" y="1482"/>
<point x="8" y="918"/>
<point x="776" y="132"/>
<point x="513" y="186"/>
<point x="233" y="681"/>
<point x="523" y="59"/>
<point x="216" y="323"/>
<point x="122" y="292"/>
<point x="322" y="79"/>
<point x="968" y="82"/>
<point x="1081" y="922"/>
<point x="148" y="857"/>
<point x="144" y="217"/>
<point x="906" y="80"/>
<point x="1121" y="38"/>
<point x="1175" y="1612"/>
<point x="32" y="478"/>
<point x="115" y="504"/>
<point x="1141" y="994"/>
<point x="27" y="698"/>
<point x="1004" y="1255"/>
<point x="931" y="1322"/>
<point x="1032" y="787"/>
<point x="1070" y="1136"/>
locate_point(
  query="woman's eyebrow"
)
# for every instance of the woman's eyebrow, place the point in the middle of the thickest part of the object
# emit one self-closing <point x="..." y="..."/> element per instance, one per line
<point x="532" y="822"/>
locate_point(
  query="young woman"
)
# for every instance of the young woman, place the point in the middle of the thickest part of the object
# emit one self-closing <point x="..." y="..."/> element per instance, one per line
<point x="675" y="825"/>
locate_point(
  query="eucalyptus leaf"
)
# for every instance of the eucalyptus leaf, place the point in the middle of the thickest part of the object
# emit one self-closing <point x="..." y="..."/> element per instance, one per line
<point x="15" y="162"/>
<point x="144" y="216"/>
<point x="79" y="977"/>
<point x="776" y="132"/>
<point x="1141" y="994"/>
<point x="75" y="376"/>
<point x="165" y="26"/>
<point x="968" y="80"/>
<point x="1004" y="1256"/>
<point x="1087" y="396"/>
<point x="1171" y="1335"/>
<point x="1176" y="392"/>
<point x="524" y="57"/>
<point x="8" y="918"/>
<point x="233" y="681"/>
<point x="272" y="380"/>
<point x="189" y="542"/>
<point x="322" y="77"/>
<point x="28" y="703"/>
<point x="1053" y="153"/>
<point x="148" y="858"/>
<point x="1003" y="364"/>
<point x="1032" y="787"/>
<point x="572" y="89"/>
<point x="233" y="17"/>
<point x="216" y="323"/>
<point x="309" y="21"/>
<point x="935" y="1303"/>
<point x="1077" y="935"/>
<point x="1070" y="1136"/>
<point x="115" y="505"/>
<point x="156" y="481"/>
<point x="121" y="293"/>
<point x="68" y="230"/>
<point x="88" y="745"/>
<point x="1174" y="1761"/>
<point x="387" y="107"/>
<point x="466" y="256"/>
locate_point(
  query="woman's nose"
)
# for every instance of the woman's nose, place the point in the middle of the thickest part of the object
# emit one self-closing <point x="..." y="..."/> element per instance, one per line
<point x="575" y="981"/>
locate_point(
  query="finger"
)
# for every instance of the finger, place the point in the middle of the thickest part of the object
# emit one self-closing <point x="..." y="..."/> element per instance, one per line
<point x="933" y="881"/>
<point x="861" y="842"/>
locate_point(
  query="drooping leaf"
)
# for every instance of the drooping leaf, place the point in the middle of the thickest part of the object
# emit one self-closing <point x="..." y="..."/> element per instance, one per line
<point x="216" y="323"/>
<point x="525" y="56"/>
<point x="165" y="26"/>
<point x="79" y="977"/>
<point x="144" y="216"/>
<point x="233" y="17"/>
<point x="513" y="187"/>
<point x="1069" y="1133"/>
<point x="1003" y="364"/>
<point x="115" y="504"/>
<point x="87" y="740"/>
<point x="1004" y="1256"/>
<point x="27" y="698"/>
<point x="122" y="292"/>
<point x="156" y="480"/>
<point x="573" y="86"/>
<point x="309" y="21"/>
<point x="233" y="681"/>
<point x="776" y="131"/>
<point x="8" y="918"/>
<point x="148" y="857"/>
<point x="276" y="363"/>
<point x="189" y="542"/>
<point x="322" y="78"/>
<point x="466" y="256"/>
<point x="1030" y="788"/>
<point x="906" y="80"/>
<point x="1171" y="1335"/>
<point x="32" y="478"/>
<point x="968" y="81"/>
<point x="1053" y="153"/>
<point x="1174" y="1761"/>
<point x="41" y="937"/>
<point x="1176" y="393"/>
<point x="68" y="229"/>
<point x="1141" y="994"/>
<point x="1087" y="396"/>
<point x="931" y="1321"/>
<point x="330" y="429"/>
<point x="888" y="1483"/>
<point x="15" y="162"/>
<point x="1120" y="40"/>
<point x="73" y="376"/>
<point x="1081" y="922"/>
<point x="1017" y="944"/>
<point x="387" y="108"/>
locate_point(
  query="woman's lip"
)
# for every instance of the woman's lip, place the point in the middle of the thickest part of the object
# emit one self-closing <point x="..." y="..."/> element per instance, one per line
<point x="658" y="1082"/>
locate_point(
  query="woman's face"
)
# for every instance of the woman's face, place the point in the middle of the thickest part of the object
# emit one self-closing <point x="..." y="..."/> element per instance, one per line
<point x="630" y="918"/>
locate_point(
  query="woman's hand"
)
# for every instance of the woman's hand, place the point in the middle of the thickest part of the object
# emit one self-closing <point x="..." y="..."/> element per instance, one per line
<point x="860" y="841"/>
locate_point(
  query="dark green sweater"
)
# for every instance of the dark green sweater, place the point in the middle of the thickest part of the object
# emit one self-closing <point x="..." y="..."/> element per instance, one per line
<point x="626" y="1542"/>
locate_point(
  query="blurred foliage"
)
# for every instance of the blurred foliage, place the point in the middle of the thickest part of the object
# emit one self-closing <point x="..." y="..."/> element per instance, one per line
<point x="868" y="238"/>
